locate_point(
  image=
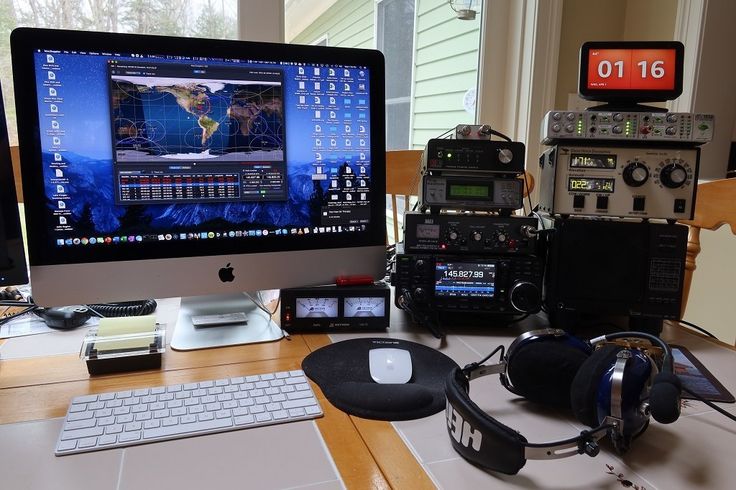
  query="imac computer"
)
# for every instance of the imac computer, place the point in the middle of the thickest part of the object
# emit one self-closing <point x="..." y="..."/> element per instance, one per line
<point x="13" y="269"/>
<point x="159" y="167"/>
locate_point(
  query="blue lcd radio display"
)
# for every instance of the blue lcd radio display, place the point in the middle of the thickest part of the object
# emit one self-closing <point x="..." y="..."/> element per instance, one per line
<point x="465" y="279"/>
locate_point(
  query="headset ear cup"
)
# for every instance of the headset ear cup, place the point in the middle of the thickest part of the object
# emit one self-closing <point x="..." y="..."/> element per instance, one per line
<point x="542" y="371"/>
<point x="584" y="388"/>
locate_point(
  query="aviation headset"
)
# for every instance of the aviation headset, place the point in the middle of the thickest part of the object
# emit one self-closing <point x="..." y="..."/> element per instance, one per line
<point x="612" y="389"/>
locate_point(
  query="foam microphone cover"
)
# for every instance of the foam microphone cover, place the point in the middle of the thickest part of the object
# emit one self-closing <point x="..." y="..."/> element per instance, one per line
<point x="664" y="398"/>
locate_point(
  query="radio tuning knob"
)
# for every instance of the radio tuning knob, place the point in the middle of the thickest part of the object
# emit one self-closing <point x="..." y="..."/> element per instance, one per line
<point x="524" y="297"/>
<point x="452" y="235"/>
<point x="635" y="174"/>
<point x="500" y="237"/>
<point x="476" y="236"/>
<point x="419" y="295"/>
<point x="419" y="265"/>
<point x="673" y="176"/>
<point x="505" y="155"/>
<point x="528" y="231"/>
<point x="671" y="118"/>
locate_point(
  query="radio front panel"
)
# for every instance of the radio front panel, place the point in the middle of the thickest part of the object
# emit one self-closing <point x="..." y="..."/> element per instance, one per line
<point x="471" y="192"/>
<point x="619" y="182"/>
<point x="681" y="127"/>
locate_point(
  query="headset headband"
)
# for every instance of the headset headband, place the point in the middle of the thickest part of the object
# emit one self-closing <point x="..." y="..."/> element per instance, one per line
<point x="486" y="442"/>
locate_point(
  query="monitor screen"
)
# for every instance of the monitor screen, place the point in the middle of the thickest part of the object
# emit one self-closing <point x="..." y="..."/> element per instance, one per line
<point x="172" y="167"/>
<point x="13" y="270"/>
<point x="631" y="70"/>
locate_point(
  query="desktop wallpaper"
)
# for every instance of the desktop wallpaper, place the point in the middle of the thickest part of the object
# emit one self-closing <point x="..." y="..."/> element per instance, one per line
<point x="290" y="122"/>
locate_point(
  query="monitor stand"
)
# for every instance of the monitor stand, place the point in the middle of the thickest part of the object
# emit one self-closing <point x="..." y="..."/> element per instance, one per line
<point x="259" y="327"/>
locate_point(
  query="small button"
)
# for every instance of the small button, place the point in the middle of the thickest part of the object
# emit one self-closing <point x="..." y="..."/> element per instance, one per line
<point x="639" y="203"/>
<point x="601" y="202"/>
<point x="578" y="201"/>
<point x="679" y="205"/>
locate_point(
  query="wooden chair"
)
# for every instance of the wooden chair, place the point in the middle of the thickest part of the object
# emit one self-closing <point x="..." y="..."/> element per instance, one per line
<point x="715" y="206"/>
<point x="15" y="158"/>
<point x="403" y="178"/>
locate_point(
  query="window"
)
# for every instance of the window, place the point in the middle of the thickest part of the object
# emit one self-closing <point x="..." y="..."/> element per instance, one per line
<point x="395" y="39"/>
<point x="431" y="57"/>
<point x="192" y="18"/>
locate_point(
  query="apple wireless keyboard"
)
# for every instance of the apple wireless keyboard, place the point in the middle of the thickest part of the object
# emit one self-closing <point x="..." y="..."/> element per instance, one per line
<point x="131" y="417"/>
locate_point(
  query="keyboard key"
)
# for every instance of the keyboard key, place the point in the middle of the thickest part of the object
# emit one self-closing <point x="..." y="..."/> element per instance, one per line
<point x="85" y="399"/>
<point x="182" y="429"/>
<point x="263" y="417"/>
<point x="110" y="420"/>
<point x="244" y="420"/>
<point x="80" y="416"/>
<point x="81" y="424"/>
<point x="129" y="436"/>
<point x="299" y="403"/>
<point x="107" y="439"/>
<point x="67" y="445"/>
<point x="80" y="433"/>
<point x="86" y="442"/>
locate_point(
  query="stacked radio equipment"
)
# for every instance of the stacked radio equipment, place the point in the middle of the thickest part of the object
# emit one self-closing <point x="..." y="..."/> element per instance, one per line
<point x="465" y="255"/>
<point x="613" y="182"/>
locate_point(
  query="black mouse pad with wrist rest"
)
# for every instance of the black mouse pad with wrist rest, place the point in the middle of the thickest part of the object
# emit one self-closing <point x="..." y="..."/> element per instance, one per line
<point x="342" y="371"/>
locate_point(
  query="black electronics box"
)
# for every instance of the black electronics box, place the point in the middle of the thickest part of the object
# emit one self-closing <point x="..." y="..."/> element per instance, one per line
<point x="607" y="268"/>
<point x="331" y="307"/>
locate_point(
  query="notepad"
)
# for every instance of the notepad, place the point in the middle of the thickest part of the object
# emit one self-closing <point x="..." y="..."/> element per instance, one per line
<point x="132" y="332"/>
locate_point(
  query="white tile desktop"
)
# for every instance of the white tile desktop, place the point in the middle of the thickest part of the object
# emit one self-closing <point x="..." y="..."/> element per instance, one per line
<point x="291" y="455"/>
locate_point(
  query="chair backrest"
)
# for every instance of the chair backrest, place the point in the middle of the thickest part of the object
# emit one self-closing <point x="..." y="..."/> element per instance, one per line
<point x="402" y="180"/>
<point x="715" y="206"/>
<point x="15" y="157"/>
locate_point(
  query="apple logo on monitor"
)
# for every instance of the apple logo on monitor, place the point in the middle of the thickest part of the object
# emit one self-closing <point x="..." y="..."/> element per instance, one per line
<point x="226" y="273"/>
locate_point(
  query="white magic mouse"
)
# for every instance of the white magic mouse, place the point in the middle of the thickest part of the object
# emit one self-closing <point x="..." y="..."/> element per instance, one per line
<point x="389" y="365"/>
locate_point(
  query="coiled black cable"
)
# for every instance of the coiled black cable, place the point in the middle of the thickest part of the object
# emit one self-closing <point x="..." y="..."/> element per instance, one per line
<point x="124" y="308"/>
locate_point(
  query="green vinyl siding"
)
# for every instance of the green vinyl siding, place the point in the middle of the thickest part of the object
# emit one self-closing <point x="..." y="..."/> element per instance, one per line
<point x="436" y="86"/>
<point x="349" y="23"/>
<point x="445" y="67"/>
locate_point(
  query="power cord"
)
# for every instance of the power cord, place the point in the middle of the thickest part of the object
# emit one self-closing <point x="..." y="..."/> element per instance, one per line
<point x="710" y="404"/>
<point x="699" y="329"/>
<point x="423" y="318"/>
<point x="261" y="305"/>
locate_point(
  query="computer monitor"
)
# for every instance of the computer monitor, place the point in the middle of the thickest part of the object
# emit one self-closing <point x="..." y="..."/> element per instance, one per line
<point x="161" y="167"/>
<point x="13" y="269"/>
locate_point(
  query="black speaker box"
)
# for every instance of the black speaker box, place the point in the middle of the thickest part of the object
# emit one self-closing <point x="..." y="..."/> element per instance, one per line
<point x="599" y="268"/>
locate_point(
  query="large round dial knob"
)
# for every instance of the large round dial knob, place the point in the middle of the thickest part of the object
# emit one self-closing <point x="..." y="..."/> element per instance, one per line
<point x="452" y="235"/>
<point x="673" y="175"/>
<point x="525" y="297"/>
<point x="476" y="236"/>
<point x="505" y="155"/>
<point x="419" y="295"/>
<point x="419" y="265"/>
<point x="635" y="174"/>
